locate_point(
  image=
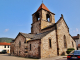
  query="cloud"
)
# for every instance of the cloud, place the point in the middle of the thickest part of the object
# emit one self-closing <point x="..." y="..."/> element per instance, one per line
<point x="6" y="30"/>
<point x="77" y="29"/>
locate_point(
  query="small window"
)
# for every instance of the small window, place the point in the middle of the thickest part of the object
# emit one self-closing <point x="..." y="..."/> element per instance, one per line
<point x="50" y="43"/>
<point x="19" y="44"/>
<point x="37" y="16"/>
<point x="48" y="17"/>
<point x="30" y="46"/>
<point x="26" y="48"/>
<point x="25" y="41"/>
<point x="26" y="52"/>
<point x="8" y="46"/>
<point x="5" y="46"/>
<point x="72" y="44"/>
<point x="65" y="44"/>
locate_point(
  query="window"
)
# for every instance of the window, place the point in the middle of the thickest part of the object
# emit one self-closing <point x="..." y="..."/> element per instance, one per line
<point x="25" y="51"/>
<point x="37" y="16"/>
<point x="65" y="44"/>
<point x="8" y="46"/>
<point x="50" y="43"/>
<point x="30" y="46"/>
<point x="19" y="44"/>
<point x="48" y="17"/>
<point x="72" y="44"/>
<point x="5" y="46"/>
<point x="25" y="41"/>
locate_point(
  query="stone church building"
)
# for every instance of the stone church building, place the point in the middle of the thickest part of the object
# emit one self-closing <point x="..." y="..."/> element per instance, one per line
<point x="47" y="38"/>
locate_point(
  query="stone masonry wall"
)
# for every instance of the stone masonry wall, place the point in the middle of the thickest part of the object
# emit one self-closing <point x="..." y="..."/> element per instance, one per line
<point x="35" y="51"/>
<point x="61" y="31"/>
<point x="46" y="51"/>
<point x="19" y="50"/>
<point x="12" y="48"/>
<point x="44" y="13"/>
<point x="36" y="27"/>
<point x="45" y="24"/>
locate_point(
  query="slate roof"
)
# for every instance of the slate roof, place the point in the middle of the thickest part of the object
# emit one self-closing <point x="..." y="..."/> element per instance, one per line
<point x="40" y="35"/>
<point x="42" y="6"/>
<point x="27" y="35"/>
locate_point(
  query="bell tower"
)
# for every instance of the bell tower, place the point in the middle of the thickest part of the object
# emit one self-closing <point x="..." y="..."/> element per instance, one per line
<point x="42" y="18"/>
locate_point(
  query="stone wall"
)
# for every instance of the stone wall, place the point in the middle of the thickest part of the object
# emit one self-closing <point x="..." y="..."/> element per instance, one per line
<point x="42" y="23"/>
<point x="45" y="24"/>
<point x="62" y="30"/>
<point x="46" y="51"/>
<point x="19" y="51"/>
<point x="12" y="48"/>
<point x="44" y="13"/>
<point x="35" y="49"/>
<point x="36" y="27"/>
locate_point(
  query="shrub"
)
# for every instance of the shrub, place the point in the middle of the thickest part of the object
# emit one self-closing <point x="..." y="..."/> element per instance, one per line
<point x="69" y="50"/>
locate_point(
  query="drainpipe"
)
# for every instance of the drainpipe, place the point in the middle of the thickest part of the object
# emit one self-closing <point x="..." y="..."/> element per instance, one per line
<point x="57" y="40"/>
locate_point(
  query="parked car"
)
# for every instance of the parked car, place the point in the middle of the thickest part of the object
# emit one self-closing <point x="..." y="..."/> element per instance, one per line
<point x="74" y="55"/>
<point x="3" y="51"/>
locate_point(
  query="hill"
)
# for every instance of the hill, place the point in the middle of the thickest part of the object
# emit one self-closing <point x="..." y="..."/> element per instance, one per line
<point x="8" y="40"/>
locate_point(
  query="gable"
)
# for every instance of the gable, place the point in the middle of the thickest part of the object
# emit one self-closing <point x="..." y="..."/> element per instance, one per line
<point x="61" y="21"/>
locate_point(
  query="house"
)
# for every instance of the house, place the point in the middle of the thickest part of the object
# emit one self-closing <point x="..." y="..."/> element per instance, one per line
<point x="5" y="46"/>
<point x="12" y="47"/>
<point x="47" y="38"/>
<point x="77" y="40"/>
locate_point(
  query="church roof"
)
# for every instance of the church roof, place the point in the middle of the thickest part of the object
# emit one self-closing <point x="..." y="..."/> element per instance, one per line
<point x="27" y="35"/>
<point x="42" y="6"/>
<point x="40" y="35"/>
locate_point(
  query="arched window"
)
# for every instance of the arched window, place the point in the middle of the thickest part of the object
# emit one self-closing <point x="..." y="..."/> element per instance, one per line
<point x="30" y="46"/>
<point x="50" y="43"/>
<point x="19" y="43"/>
<point x="48" y="17"/>
<point x="72" y="44"/>
<point x="37" y="16"/>
<point x="65" y="44"/>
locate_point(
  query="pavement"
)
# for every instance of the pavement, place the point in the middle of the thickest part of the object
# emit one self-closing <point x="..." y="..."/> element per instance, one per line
<point x="7" y="57"/>
<point x="55" y="58"/>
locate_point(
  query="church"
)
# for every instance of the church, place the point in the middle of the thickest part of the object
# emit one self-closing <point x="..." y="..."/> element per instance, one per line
<point x="47" y="38"/>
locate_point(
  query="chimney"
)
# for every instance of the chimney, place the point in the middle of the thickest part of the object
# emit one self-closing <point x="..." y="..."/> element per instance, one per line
<point x="77" y="34"/>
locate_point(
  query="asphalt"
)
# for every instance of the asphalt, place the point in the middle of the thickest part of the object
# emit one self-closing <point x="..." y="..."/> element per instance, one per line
<point x="55" y="58"/>
<point x="7" y="57"/>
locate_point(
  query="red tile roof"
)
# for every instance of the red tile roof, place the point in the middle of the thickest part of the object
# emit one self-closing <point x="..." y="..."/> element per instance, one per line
<point x="75" y="37"/>
<point x="42" y="6"/>
<point x="78" y="45"/>
<point x="4" y="43"/>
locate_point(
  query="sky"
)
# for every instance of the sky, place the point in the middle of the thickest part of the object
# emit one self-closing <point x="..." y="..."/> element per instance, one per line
<point x="16" y="15"/>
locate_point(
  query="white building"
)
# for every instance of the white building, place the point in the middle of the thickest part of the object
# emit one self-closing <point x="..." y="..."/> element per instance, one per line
<point x="5" y="46"/>
<point x="77" y="40"/>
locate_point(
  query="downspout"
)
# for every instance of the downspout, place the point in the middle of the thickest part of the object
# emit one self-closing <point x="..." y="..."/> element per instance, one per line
<point x="57" y="40"/>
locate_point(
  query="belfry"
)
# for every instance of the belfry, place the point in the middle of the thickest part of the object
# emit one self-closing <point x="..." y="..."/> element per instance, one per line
<point x="47" y="38"/>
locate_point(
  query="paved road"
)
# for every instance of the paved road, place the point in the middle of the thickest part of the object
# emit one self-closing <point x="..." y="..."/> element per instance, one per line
<point x="6" y="57"/>
<point x="62" y="59"/>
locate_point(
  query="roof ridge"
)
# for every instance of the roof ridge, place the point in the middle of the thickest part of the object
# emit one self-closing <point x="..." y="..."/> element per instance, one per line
<point x="42" y="6"/>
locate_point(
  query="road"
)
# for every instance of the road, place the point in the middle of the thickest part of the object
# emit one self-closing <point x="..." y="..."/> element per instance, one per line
<point x="62" y="59"/>
<point x="7" y="57"/>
